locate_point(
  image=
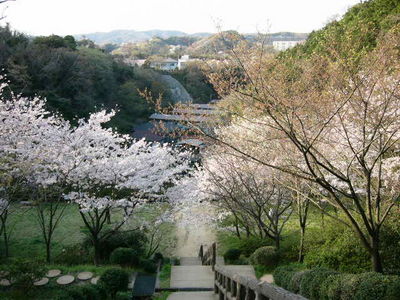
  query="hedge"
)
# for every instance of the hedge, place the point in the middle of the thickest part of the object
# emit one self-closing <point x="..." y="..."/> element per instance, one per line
<point x="322" y="283"/>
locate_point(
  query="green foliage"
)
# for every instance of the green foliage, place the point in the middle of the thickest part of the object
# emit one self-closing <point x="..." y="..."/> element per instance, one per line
<point x="77" y="80"/>
<point x="74" y="255"/>
<point x="246" y="245"/>
<point x="25" y="272"/>
<point x="148" y="266"/>
<point x="310" y="282"/>
<point x="232" y="254"/>
<point x="284" y="274"/>
<point x="354" y="35"/>
<point x="134" y="239"/>
<point x="195" y="81"/>
<point x="114" y="280"/>
<point x="124" y="296"/>
<point x="158" y="257"/>
<point x="322" y="283"/>
<point x="265" y="256"/>
<point x="123" y="257"/>
<point x="336" y="247"/>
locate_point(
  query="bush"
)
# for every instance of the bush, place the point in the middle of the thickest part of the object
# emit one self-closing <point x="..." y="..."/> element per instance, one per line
<point x="148" y="266"/>
<point x="247" y="246"/>
<point x="335" y="247"/>
<point x="114" y="280"/>
<point x="310" y="282"/>
<point x="265" y="256"/>
<point x="25" y="272"/>
<point x="393" y="290"/>
<point x="332" y="287"/>
<point x="295" y="280"/>
<point x="232" y="254"/>
<point x="124" y="257"/>
<point x="158" y="257"/>
<point x="284" y="274"/>
<point x="373" y="286"/>
<point x="74" y="255"/>
<point x="124" y="296"/>
<point x="129" y="239"/>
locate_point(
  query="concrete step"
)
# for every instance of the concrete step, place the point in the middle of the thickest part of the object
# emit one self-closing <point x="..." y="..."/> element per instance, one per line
<point x="193" y="296"/>
<point x="192" y="277"/>
<point x="190" y="261"/>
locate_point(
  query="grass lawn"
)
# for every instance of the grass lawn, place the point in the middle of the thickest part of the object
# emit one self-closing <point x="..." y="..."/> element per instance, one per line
<point x="26" y="240"/>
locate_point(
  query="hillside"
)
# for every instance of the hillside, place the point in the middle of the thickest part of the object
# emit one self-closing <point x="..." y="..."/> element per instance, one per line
<point x="132" y="36"/>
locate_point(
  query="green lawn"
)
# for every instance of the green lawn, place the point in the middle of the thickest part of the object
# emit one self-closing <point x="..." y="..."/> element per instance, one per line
<point x="26" y="240"/>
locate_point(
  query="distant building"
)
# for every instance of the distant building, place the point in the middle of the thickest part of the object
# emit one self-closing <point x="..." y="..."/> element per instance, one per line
<point x="182" y="62"/>
<point x="283" y="45"/>
<point x="165" y="64"/>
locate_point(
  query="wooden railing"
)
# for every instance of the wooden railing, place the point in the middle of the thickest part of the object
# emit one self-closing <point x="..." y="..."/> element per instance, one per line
<point x="209" y="257"/>
<point x="231" y="286"/>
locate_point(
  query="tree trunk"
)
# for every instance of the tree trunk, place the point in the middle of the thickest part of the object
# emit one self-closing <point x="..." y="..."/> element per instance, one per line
<point x="301" y="246"/>
<point x="375" y="255"/>
<point x="6" y="251"/>
<point x="96" y="246"/>
<point x="48" y="252"/>
<point x="277" y="242"/>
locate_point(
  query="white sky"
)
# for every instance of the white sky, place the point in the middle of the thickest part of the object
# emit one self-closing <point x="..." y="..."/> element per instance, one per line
<point x="62" y="17"/>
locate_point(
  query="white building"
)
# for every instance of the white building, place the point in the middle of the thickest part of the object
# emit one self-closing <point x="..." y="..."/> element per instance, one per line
<point x="283" y="45"/>
<point x="166" y="64"/>
<point x="183" y="61"/>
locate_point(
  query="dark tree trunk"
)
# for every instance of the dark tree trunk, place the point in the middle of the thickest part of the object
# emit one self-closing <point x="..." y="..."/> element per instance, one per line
<point x="376" y="259"/>
<point x="301" y="246"/>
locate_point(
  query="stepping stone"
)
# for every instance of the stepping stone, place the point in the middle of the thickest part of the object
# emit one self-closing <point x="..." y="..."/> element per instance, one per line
<point x="5" y="282"/>
<point x="53" y="273"/>
<point x="94" y="280"/>
<point x="4" y="274"/>
<point x="66" y="279"/>
<point x="85" y="275"/>
<point x="41" y="282"/>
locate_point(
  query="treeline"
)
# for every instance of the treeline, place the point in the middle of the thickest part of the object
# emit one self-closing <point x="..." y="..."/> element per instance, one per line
<point x="77" y="77"/>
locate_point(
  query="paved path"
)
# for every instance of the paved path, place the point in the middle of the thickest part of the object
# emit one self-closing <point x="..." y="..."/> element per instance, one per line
<point x="193" y="296"/>
<point x="192" y="277"/>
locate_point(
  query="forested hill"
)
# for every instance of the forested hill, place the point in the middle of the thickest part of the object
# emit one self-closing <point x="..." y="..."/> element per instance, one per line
<point x="77" y="77"/>
<point x="355" y="34"/>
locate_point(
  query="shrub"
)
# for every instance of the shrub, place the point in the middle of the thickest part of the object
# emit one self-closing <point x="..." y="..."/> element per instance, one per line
<point x="284" y="274"/>
<point x="25" y="272"/>
<point x="332" y="287"/>
<point x="124" y="296"/>
<point x="74" y="255"/>
<point x="247" y="246"/>
<point x="129" y="239"/>
<point x="158" y="257"/>
<point x="295" y="280"/>
<point x="114" y="280"/>
<point x="372" y="286"/>
<point x="148" y="266"/>
<point x="232" y="254"/>
<point x="335" y="247"/>
<point x="393" y="290"/>
<point x="265" y="256"/>
<point x="310" y="282"/>
<point x="124" y="257"/>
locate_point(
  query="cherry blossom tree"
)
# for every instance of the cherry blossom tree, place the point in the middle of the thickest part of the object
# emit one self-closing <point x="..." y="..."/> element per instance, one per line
<point x="339" y="115"/>
<point x="100" y="169"/>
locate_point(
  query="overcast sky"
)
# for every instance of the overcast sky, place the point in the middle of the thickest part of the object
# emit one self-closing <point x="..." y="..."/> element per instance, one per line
<point x="62" y="17"/>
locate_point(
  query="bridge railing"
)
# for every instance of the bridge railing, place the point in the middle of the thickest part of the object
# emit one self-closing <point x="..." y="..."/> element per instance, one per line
<point x="231" y="286"/>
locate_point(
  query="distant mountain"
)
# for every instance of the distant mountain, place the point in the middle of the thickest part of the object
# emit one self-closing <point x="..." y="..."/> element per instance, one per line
<point x="132" y="36"/>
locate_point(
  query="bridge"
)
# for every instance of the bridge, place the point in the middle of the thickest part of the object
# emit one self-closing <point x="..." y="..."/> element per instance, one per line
<point x="206" y="277"/>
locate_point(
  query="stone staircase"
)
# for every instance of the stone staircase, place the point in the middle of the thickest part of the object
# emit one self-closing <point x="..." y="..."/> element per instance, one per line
<point x="196" y="282"/>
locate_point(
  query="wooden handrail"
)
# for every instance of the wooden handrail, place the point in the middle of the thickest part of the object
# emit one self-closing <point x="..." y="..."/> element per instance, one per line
<point x="229" y="285"/>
